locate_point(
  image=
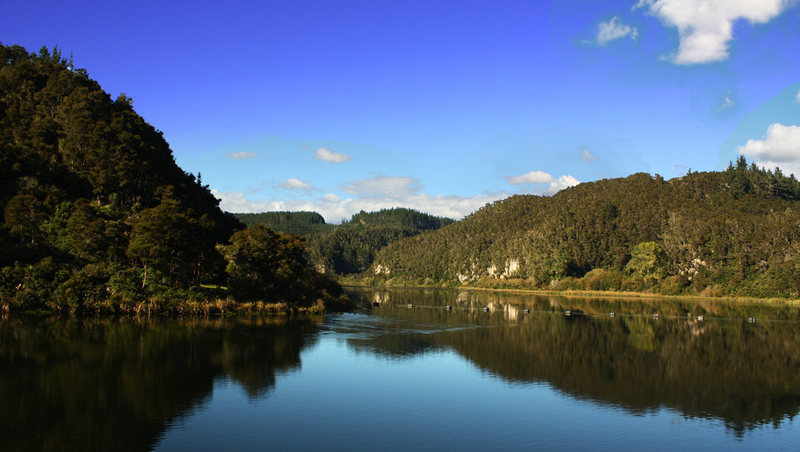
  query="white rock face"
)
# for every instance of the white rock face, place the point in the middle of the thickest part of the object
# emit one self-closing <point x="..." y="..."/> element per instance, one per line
<point x="512" y="268"/>
<point x="380" y="269"/>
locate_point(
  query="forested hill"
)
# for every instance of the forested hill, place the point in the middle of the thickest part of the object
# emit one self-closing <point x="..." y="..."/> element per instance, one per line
<point x="715" y="233"/>
<point x="298" y="223"/>
<point x="349" y="247"/>
<point x="96" y="215"/>
<point x="399" y="217"/>
<point x="306" y="223"/>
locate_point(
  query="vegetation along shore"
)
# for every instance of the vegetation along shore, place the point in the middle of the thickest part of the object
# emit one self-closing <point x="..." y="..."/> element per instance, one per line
<point x="98" y="218"/>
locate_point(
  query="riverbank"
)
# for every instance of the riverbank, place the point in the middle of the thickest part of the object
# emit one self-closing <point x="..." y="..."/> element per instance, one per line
<point x="576" y="293"/>
<point x="186" y="308"/>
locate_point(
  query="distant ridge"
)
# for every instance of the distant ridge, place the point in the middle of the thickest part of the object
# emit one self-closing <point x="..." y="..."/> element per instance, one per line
<point x="349" y="247"/>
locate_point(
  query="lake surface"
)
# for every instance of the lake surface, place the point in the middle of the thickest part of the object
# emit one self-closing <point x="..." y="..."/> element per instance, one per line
<point x="420" y="377"/>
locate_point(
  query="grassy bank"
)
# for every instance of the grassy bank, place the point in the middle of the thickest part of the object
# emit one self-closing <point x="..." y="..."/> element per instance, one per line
<point x="525" y="287"/>
<point x="187" y="306"/>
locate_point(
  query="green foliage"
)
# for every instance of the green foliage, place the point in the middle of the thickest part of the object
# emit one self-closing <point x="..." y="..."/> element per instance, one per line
<point x="647" y="262"/>
<point x="348" y="248"/>
<point x="298" y="223"/>
<point x="96" y="215"/>
<point x="264" y="265"/>
<point x="735" y="232"/>
<point x="398" y="217"/>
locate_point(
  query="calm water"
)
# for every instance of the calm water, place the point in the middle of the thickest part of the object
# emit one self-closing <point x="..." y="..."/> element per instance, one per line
<point x="425" y="377"/>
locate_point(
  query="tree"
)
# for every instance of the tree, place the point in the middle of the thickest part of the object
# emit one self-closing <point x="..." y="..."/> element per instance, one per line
<point x="168" y="238"/>
<point x="264" y="264"/>
<point x="23" y="217"/>
<point x="647" y="262"/>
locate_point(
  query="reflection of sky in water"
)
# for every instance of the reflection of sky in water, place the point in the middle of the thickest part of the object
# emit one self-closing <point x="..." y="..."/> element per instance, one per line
<point x="343" y="398"/>
<point x="360" y="326"/>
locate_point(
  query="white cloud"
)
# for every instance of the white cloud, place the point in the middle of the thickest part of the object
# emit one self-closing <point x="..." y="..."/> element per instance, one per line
<point x="383" y="186"/>
<point x="539" y="178"/>
<point x="295" y="184"/>
<point x="335" y="209"/>
<point x="726" y="104"/>
<point x="587" y="156"/>
<point x="779" y="148"/>
<point x="705" y="27"/>
<point x="327" y="155"/>
<point x="383" y="192"/>
<point x="798" y="96"/>
<point x="235" y="201"/>
<point x="613" y="29"/>
<point x="533" y="177"/>
<point x="242" y="155"/>
<point x="561" y="183"/>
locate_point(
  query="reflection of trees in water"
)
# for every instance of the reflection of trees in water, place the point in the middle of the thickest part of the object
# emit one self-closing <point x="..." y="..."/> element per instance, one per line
<point x="119" y="384"/>
<point x="743" y="374"/>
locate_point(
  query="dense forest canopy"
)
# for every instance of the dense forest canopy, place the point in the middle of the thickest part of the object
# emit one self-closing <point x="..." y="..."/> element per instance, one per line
<point x="349" y="247"/>
<point x="298" y="223"/>
<point x="734" y="232"/>
<point x="96" y="214"/>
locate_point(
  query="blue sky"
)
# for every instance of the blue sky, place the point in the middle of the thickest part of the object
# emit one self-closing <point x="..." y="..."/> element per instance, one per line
<point x="338" y="106"/>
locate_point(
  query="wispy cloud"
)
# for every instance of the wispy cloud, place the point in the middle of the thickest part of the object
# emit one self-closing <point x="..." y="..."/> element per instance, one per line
<point x="295" y="184"/>
<point x="614" y="29"/>
<point x="587" y="156"/>
<point x="383" y="186"/>
<point x="726" y="104"/>
<point x="242" y="155"/>
<point x="798" y="97"/>
<point x="779" y="148"/>
<point x="706" y="27"/>
<point x="326" y="155"/>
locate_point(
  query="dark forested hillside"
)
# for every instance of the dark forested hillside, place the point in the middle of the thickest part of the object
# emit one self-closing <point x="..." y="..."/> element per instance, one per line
<point x="349" y="247"/>
<point x="298" y="223"/>
<point x="96" y="215"/>
<point x="399" y="217"/>
<point x="715" y="233"/>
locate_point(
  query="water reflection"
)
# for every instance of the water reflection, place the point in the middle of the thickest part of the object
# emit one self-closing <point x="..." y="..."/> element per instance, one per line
<point x="119" y="384"/>
<point x="723" y="367"/>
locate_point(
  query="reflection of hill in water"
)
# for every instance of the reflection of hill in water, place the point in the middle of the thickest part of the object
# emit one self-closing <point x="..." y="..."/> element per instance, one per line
<point x="114" y="385"/>
<point x="744" y="374"/>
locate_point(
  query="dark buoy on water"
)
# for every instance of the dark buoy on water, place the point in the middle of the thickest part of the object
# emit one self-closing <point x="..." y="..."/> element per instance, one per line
<point x="375" y="303"/>
<point x="486" y="309"/>
<point x="449" y="308"/>
<point x="526" y="311"/>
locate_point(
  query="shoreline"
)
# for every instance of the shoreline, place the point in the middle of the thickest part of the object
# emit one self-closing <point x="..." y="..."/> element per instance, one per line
<point x="574" y="293"/>
<point x="198" y="309"/>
